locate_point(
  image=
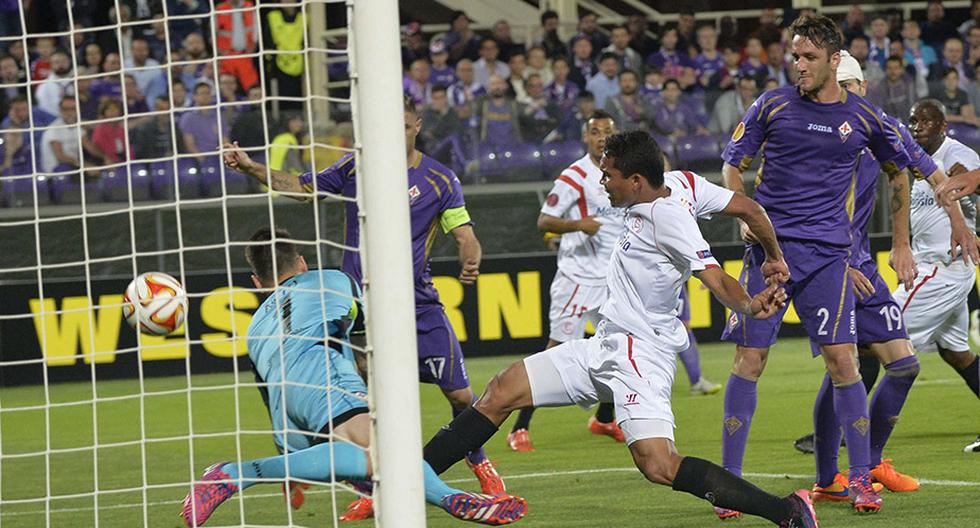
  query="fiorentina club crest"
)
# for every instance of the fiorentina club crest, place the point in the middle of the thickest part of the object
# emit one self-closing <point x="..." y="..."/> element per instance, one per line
<point x="845" y="131"/>
<point x="413" y="194"/>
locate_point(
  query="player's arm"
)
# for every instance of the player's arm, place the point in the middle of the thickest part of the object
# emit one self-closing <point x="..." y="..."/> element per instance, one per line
<point x="237" y="159"/>
<point x="552" y="224"/>
<point x="958" y="186"/>
<point x="563" y="196"/>
<point x="901" y="259"/>
<point x="961" y="235"/>
<point x="753" y="216"/>
<point x="727" y="290"/>
<point x="470" y="253"/>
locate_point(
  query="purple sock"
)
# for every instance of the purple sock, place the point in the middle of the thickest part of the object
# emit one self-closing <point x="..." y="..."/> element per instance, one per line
<point x="691" y="359"/>
<point x="826" y="440"/>
<point x="851" y="407"/>
<point x="888" y="400"/>
<point x="478" y="455"/>
<point x="740" y="399"/>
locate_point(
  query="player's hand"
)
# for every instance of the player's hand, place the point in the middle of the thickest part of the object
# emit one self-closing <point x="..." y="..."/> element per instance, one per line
<point x="862" y="286"/>
<point x="775" y="271"/>
<point x="553" y="243"/>
<point x="956" y="187"/>
<point x="236" y="158"/>
<point x="469" y="272"/>
<point x="589" y="225"/>
<point x="768" y="302"/>
<point x="903" y="263"/>
<point x="965" y="240"/>
<point x="747" y="235"/>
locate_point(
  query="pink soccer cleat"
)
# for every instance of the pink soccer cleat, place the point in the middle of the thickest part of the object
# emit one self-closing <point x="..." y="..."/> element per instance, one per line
<point x="207" y="496"/>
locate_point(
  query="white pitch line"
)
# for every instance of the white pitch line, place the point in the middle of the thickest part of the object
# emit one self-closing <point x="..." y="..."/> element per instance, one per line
<point x="781" y="476"/>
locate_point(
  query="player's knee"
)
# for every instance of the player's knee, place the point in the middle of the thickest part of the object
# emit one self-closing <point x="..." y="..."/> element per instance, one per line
<point x="657" y="469"/>
<point x="908" y="369"/>
<point x="496" y="398"/>
<point x="750" y="362"/>
<point x="460" y="399"/>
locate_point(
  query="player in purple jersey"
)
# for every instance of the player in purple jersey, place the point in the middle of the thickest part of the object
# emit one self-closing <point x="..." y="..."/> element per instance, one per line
<point x="436" y="199"/>
<point x="811" y="137"/>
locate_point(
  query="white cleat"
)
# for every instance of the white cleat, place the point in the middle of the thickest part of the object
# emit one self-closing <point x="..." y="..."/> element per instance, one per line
<point x="973" y="447"/>
<point x="704" y="387"/>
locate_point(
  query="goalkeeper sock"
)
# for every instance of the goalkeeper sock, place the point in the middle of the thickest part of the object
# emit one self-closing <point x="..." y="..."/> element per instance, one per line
<point x="887" y="402"/>
<point x="435" y="487"/>
<point x="323" y="462"/>
<point x="869" y="367"/>
<point x="971" y="375"/>
<point x="467" y="432"/>
<point x="606" y="413"/>
<point x="826" y="434"/>
<point x="691" y="359"/>
<point x="523" y="419"/>
<point x="477" y="455"/>
<point x="851" y="407"/>
<point x="740" y="400"/>
<point x="708" y="481"/>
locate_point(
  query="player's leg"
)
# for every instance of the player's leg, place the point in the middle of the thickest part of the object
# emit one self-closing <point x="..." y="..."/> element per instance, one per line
<point x="901" y="369"/>
<point x="519" y="438"/>
<point x="869" y="368"/>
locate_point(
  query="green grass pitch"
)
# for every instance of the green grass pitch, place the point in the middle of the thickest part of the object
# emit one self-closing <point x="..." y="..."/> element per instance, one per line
<point x="573" y="479"/>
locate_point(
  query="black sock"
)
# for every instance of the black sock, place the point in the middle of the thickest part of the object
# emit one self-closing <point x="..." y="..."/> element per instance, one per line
<point x="869" y="367"/>
<point x="971" y="375"/>
<point x="523" y="419"/>
<point x="606" y="413"/>
<point x="467" y="432"/>
<point x="723" y="489"/>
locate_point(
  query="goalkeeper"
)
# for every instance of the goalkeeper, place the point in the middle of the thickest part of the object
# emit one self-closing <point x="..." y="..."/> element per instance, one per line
<point x="298" y="342"/>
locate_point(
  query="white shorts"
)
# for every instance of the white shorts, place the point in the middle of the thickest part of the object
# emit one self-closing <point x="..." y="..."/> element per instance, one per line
<point x="935" y="309"/>
<point x="611" y="366"/>
<point x="572" y="306"/>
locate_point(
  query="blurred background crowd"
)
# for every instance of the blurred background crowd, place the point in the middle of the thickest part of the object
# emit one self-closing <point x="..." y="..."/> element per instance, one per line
<point x="102" y="89"/>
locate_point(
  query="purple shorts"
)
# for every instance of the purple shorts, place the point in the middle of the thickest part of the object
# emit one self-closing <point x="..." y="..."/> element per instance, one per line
<point x="440" y="356"/>
<point x="819" y="287"/>
<point x="879" y="317"/>
<point x="684" y="314"/>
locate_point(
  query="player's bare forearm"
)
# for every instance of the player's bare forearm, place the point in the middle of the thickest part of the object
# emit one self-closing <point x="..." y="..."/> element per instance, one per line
<point x="726" y="289"/>
<point x="732" y="178"/>
<point x="553" y="224"/>
<point x="963" y="239"/>
<point x="901" y="198"/>
<point x="470" y="253"/>
<point x="755" y="217"/>
<point x="276" y="179"/>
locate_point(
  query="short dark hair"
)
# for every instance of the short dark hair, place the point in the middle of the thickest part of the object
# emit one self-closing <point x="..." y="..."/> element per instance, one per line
<point x="601" y="114"/>
<point x="200" y="84"/>
<point x="588" y="96"/>
<point x="948" y="70"/>
<point x="559" y="58"/>
<point x="259" y="255"/>
<point x="637" y="152"/>
<point x="819" y="30"/>
<point x="484" y="40"/>
<point x="671" y="80"/>
<point x="548" y="15"/>
<point x="620" y="26"/>
<point x="408" y="104"/>
<point x="859" y="36"/>
<point x="626" y="71"/>
<point x="895" y="58"/>
<point x="439" y="88"/>
<point x="934" y="104"/>
<point x="608" y="55"/>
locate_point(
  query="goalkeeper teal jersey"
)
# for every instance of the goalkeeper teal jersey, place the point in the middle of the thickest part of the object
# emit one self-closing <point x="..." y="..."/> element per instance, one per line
<point x="298" y="342"/>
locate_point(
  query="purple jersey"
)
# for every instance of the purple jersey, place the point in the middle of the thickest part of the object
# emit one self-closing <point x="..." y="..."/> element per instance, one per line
<point x="435" y="197"/>
<point x="682" y="117"/>
<point x="921" y="166"/>
<point x="671" y="63"/>
<point x="563" y="95"/>
<point x="810" y="154"/>
<point x="442" y="76"/>
<point x="706" y="66"/>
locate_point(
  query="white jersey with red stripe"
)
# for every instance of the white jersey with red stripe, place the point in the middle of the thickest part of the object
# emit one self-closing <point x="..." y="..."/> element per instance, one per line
<point x="653" y="258"/>
<point x="578" y="194"/>
<point x="702" y="197"/>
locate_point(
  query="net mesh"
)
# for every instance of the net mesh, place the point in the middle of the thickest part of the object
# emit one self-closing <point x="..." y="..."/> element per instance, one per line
<point x="112" y="167"/>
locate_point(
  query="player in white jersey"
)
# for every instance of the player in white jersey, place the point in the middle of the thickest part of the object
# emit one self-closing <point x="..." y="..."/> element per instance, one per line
<point x="630" y="361"/>
<point x="935" y="309"/>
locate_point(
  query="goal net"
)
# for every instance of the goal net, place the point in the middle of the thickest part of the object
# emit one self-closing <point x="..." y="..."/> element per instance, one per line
<point x="111" y="149"/>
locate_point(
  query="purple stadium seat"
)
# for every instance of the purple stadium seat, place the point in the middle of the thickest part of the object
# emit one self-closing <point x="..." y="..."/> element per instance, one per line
<point x="19" y="191"/>
<point x="485" y="163"/>
<point x="211" y="176"/>
<point x="667" y="146"/>
<point x="966" y="134"/>
<point x="559" y="155"/>
<point x="698" y="152"/>
<point x="189" y="178"/>
<point x="67" y="189"/>
<point x="161" y="179"/>
<point x="115" y="183"/>
<point x="519" y="163"/>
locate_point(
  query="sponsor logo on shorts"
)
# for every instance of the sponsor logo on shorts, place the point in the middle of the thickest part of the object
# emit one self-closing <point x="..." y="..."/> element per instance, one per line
<point x="631" y="399"/>
<point x="845" y="131"/>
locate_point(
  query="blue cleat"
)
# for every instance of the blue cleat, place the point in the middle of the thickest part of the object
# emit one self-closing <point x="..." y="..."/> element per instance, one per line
<point x="494" y="510"/>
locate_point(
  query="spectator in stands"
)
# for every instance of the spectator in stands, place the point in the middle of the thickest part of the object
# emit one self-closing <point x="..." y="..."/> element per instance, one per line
<point x="16" y="50"/>
<point x="562" y="91"/>
<point x="630" y="109"/>
<point x="152" y="82"/>
<point x="110" y="83"/>
<point x="124" y="37"/>
<point x="135" y="100"/>
<point x="180" y="26"/>
<point x="249" y="128"/>
<point x="973" y="21"/>
<point x="108" y="144"/>
<point x="936" y="30"/>
<point x="441" y="128"/>
<point x="537" y="64"/>
<point x="199" y="127"/>
<point x="549" y="39"/>
<point x="674" y="117"/>
<point x="709" y="61"/>
<point x="50" y="92"/>
<point x="776" y="66"/>
<point x="768" y="31"/>
<point x="463" y="94"/>
<point x="853" y="24"/>
<point x="228" y="89"/>
<point x="686" y="31"/>
<point x="416" y="84"/>
<point x="731" y="106"/>
<point x="440" y="72"/>
<point x="17" y="157"/>
<point x="896" y="93"/>
<point x="859" y="50"/>
<point x="501" y="33"/>
<point x="93" y="57"/>
<point x="725" y="78"/>
<point x="588" y="27"/>
<point x="752" y="65"/>
<point x="194" y="49"/>
<point x="60" y="143"/>
<point x="236" y="35"/>
<point x="498" y="116"/>
<point x="628" y="57"/>
<point x="571" y="125"/>
<point x="879" y="41"/>
<point x="728" y="34"/>
<point x="10" y="77"/>
<point x="957" y="102"/>
<point x="88" y="106"/>
<point x="638" y="24"/>
<point x="10" y="18"/>
<point x="974" y="91"/>
<point x="973" y="45"/>
<point x="653" y="84"/>
<point x="44" y="47"/>
<point x="605" y="84"/>
<point x="153" y="139"/>
<point x="540" y="115"/>
<point x="463" y="43"/>
<point x="952" y="58"/>
<point x="517" y="67"/>
<point x="488" y="64"/>
<point x="583" y="68"/>
<point x="287" y="30"/>
<point x="157" y="39"/>
<point x="670" y="58"/>
<point x="284" y="152"/>
<point x="178" y="93"/>
<point x="414" y="46"/>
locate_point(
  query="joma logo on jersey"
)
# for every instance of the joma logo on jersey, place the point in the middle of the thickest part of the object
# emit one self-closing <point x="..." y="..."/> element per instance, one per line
<point x="820" y="128"/>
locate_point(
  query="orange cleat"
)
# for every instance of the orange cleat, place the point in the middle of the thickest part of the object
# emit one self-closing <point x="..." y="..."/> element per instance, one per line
<point x="359" y="510"/>
<point x="893" y="480"/>
<point x="520" y="441"/>
<point x="490" y="481"/>
<point x="727" y="515"/>
<point x="295" y="493"/>
<point x="609" y="429"/>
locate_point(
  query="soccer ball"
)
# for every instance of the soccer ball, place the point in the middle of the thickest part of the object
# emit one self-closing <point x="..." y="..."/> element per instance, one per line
<point x="154" y="303"/>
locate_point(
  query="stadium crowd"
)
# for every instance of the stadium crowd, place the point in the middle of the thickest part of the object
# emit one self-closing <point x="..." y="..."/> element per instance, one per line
<point x="688" y="83"/>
